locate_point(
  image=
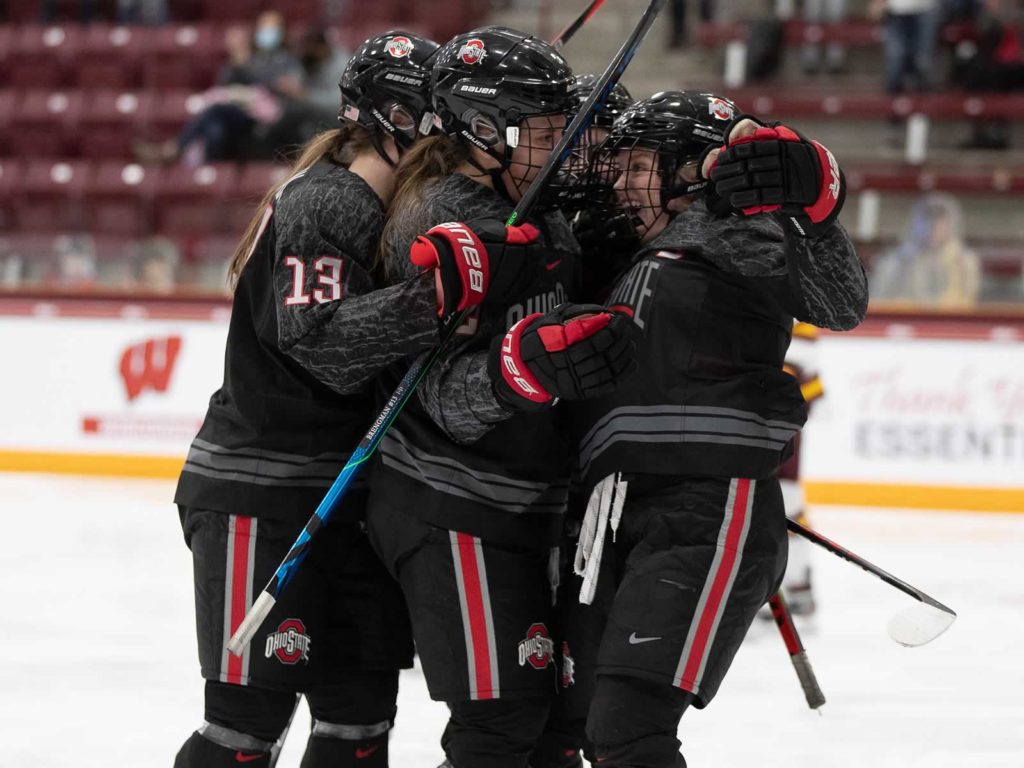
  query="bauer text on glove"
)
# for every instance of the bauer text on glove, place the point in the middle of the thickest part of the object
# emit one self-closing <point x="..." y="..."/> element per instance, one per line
<point x="574" y="352"/>
<point x="480" y="260"/>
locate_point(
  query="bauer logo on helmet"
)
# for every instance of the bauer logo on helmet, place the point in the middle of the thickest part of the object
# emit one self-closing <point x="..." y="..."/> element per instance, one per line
<point x="472" y="51"/>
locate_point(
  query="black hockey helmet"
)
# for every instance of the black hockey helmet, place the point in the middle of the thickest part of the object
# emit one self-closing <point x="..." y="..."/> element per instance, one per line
<point x="386" y="88"/>
<point x="619" y="99"/>
<point x="485" y="81"/>
<point x="678" y="126"/>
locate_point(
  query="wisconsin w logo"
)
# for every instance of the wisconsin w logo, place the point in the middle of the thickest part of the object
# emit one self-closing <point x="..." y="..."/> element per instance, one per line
<point x="149" y="365"/>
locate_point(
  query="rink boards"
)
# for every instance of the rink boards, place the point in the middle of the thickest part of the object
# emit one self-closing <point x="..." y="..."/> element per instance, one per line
<point x="919" y="411"/>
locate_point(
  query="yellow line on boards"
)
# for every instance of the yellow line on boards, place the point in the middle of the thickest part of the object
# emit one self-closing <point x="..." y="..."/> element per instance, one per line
<point x="915" y="496"/>
<point x="91" y="464"/>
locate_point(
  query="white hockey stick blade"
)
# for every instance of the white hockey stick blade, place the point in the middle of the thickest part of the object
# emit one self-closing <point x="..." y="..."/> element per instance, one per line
<point x="251" y="623"/>
<point x="919" y="624"/>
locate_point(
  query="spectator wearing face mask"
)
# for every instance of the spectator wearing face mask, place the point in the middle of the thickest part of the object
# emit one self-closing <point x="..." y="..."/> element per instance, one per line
<point x="260" y="78"/>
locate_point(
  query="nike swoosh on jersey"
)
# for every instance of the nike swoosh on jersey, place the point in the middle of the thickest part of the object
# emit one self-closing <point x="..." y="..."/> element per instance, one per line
<point x="364" y="753"/>
<point x="241" y="757"/>
<point x="634" y="640"/>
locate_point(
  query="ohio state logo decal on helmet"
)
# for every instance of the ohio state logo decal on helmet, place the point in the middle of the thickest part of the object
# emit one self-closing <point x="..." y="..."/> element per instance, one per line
<point x="538" y="649"/>
<point x="289" y="643"/>
<point x="472" y="51"/>
<point x="720" y="109"/>
<point x="399" y="47"/>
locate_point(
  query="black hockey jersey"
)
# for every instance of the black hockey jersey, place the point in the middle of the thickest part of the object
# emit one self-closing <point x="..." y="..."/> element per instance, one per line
<point x="308" y="333"/>
<point x="715" y="299"/>
<point x="455" y="457"/>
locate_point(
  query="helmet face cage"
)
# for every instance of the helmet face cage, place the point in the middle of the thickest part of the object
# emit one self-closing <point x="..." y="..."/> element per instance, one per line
<point x="652" y="154"/>
<point x="386" y="88"/>
<point x="505" y="93"/>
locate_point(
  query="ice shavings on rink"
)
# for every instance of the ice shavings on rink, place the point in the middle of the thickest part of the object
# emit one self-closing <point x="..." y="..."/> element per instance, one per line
<point x="98" y="665"/>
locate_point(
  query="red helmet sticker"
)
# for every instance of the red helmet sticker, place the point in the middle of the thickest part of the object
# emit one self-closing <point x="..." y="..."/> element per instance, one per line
<point x="721" y="109"/>
<point x="472" y="51"/>
<point x="399" y="47"/>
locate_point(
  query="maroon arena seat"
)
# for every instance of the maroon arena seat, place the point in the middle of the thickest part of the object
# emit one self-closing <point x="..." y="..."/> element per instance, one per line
<point x="189" y="201"/>
<point x="110" y="123"/>
<point x="23" y="11"/>
<point x="49" y="197"/>
<point x="39" y="56"/>
<point x="110" y="56"/>
<point x="44" y="124"/>
<point x="119" y="198"/>
<point x="183" y="56"/>
<point x="165" y="113"/>
<point x="7" y="102"/>
<point x="236" y="10"/>
<point x="10" y="185"/>
<point x="254" y="181"/>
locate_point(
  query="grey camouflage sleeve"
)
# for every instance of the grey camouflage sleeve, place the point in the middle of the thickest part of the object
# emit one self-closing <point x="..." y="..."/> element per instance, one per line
<point x="831" y="279"/>
<point x="458" y="396"/>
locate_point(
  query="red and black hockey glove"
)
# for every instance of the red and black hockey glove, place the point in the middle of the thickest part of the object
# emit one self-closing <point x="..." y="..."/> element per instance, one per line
<point x="778" y="169"/>
<point x="480" y="260"/>
<point x="574" y="352"/>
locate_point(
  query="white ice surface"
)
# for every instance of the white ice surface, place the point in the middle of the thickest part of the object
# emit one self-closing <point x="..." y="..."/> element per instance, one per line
<point x="98" y="664"/>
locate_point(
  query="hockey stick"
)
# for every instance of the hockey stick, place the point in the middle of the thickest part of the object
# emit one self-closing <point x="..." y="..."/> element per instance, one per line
<point x="566" y="34"/>
<point x="920" y="623"/>
<point x="797" y="654"/>
<point x="255" y="616"/>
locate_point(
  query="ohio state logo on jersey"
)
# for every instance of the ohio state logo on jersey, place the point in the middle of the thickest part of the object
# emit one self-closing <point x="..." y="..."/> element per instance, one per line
<point x="538" y="649"/>
<point x="472" y="51"/>
<point x="289" y="643"/>
<point x="720" y="109"/>
<point x="399" y="47"/>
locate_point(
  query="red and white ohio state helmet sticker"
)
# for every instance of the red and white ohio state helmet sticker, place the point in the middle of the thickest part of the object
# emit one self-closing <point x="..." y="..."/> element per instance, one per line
<point x="538" y="649"/>
<point x="472" y="51"/>
<point x="399" y="47"/>
<point x="289" y="643"/>
<point x="721" y="109"/>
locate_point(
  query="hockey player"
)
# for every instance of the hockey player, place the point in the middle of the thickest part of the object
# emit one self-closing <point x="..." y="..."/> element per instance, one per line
<point x="680" y="462"/>
<point x="467" y="501"/>
<point x="308" y="332"/>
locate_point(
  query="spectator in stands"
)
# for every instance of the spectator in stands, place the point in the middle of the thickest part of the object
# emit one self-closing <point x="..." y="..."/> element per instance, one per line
<point x="261" y="74"/>
<point x="911" y="30"/>
<point x="933" y="264"/>
<point x="142" y="11"/>
<point x="317" y="109"/>
<point x="76" y="261"/>
<point x="823" y="12"/>
<point x="992" y="63"/>
<point x="156" y="265"/>
<point x="86" y="11"/>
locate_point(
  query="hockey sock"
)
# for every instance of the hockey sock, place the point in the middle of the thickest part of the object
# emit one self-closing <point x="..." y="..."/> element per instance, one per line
<point x="333" y="745"/>
<point x="214" y="746"/>
<point x="494" y="733"/>
<point x="633" y="723"/>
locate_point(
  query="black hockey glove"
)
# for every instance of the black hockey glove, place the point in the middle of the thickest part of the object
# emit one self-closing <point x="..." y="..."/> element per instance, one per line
<point x="574" y="352"/>
<point x="778" y="169"/>
<point x="480" y="260"/>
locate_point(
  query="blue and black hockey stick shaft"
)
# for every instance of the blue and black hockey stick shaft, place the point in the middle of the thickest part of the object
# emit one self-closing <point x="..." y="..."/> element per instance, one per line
<point x="405" y="389"/>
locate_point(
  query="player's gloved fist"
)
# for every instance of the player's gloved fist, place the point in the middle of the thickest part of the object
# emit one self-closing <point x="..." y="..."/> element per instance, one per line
<point x="479" y="260"/>
<point x="574" y="352"/>
<point x="773" y="168"/>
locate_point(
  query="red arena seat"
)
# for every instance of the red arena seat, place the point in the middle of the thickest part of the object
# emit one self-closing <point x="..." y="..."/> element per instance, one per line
<point x="7" y="102"/>
<point x="110" y="123"/>
<point x="44" y="124"/>
<point x="190" y="200"/>
<point x="39" y="56"/>
<point x="183" y="56"/>
<point x="49" y="197"/>
<point x="119" y="198"/>
<point x="110" y="56"/>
